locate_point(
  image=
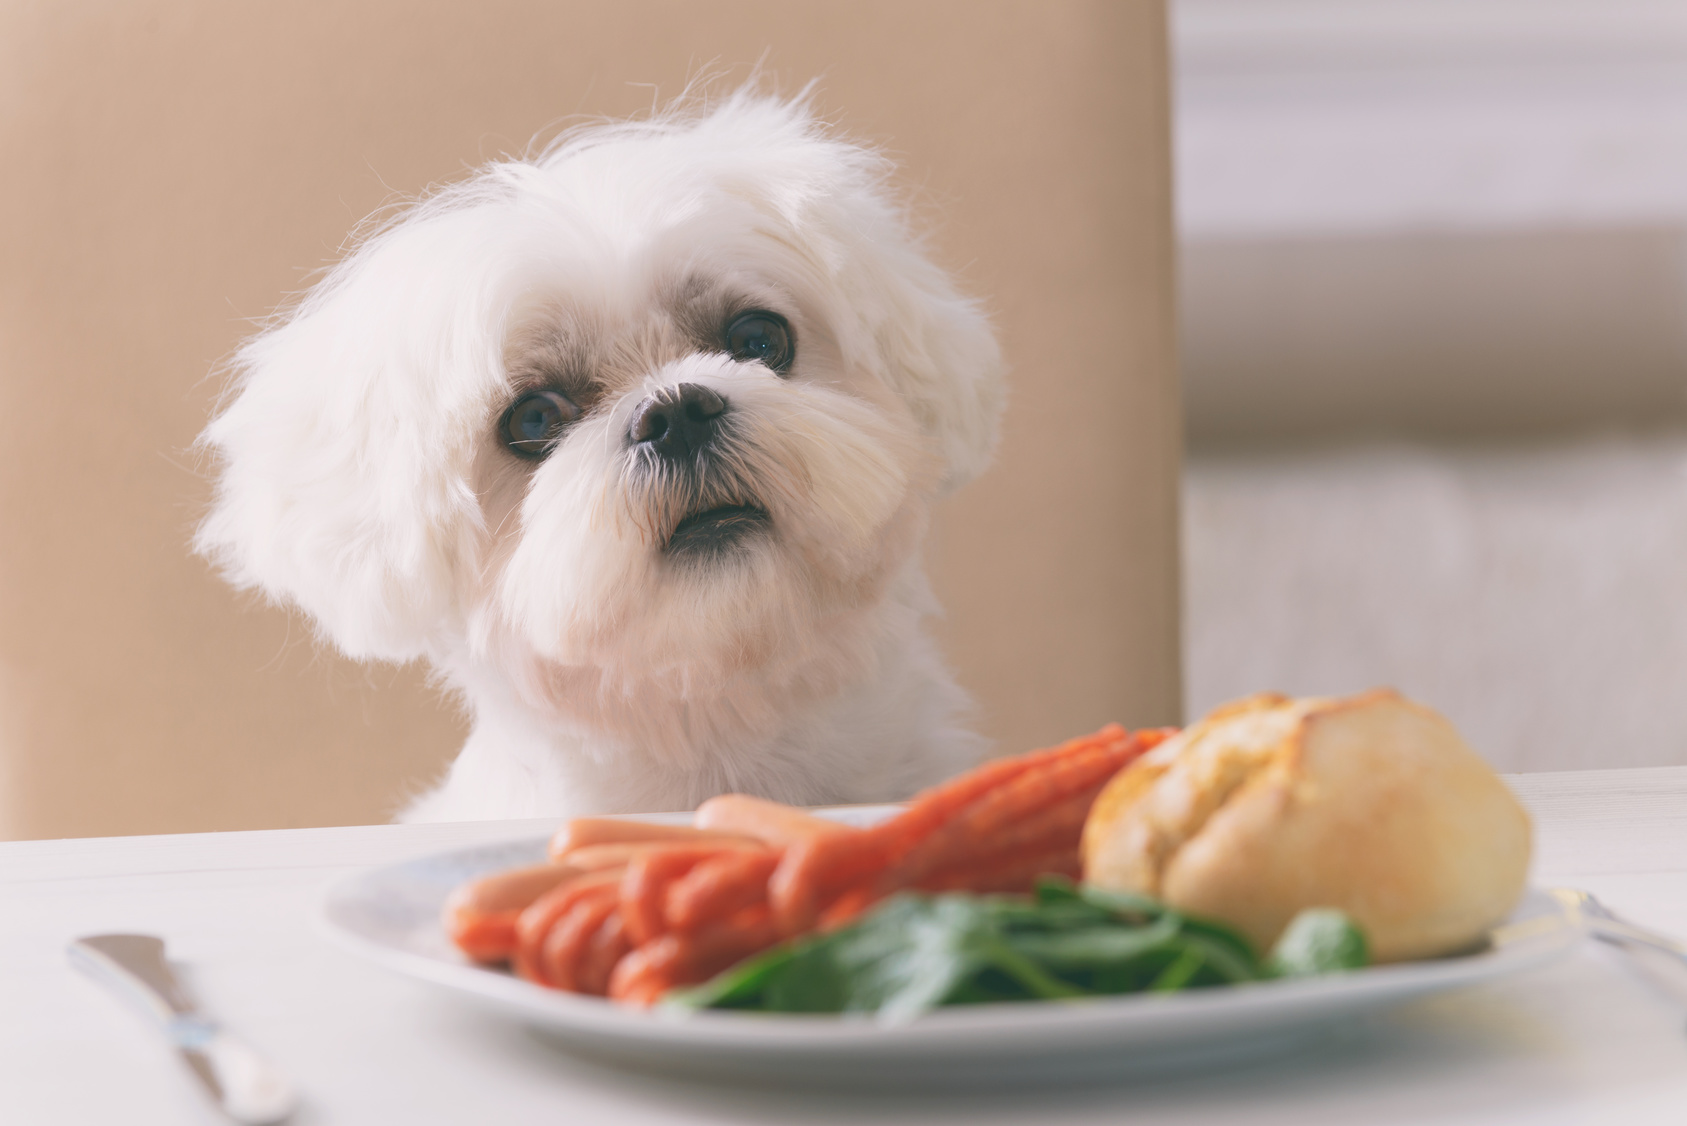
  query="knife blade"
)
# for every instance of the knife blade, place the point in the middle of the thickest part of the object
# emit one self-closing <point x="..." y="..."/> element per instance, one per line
<point x="242" y="1082"/>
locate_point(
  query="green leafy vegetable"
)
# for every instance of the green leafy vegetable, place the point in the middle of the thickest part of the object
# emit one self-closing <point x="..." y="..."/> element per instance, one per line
<point x="1318" y="941"/>
<point x="916" y="952"/>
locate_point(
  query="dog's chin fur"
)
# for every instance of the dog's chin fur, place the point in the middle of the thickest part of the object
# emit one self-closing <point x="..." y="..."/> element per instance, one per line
<point x="629" y="633"/>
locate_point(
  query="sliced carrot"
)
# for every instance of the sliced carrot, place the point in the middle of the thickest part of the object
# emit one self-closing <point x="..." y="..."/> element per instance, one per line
<point x="1018" y="875"/>
<point x="977" y="828"/>
<point x="1064" y="818"/>
<point x="933" y="808"/>
<point x="1056" y="826"/>
<point x="929" y="809"/>
<point x="1036" y="790"/>
<point x="846" y="908"/>
<point x="1055" y="831"/>
<point x="815" y="871"/>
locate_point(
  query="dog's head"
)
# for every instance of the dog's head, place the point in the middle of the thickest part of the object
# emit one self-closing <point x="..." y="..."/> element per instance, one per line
<point x="664" y="407"/>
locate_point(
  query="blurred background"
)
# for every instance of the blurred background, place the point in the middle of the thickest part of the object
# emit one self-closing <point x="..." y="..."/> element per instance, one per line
<point x="1428" y="269"/>
<point x="1434" y="325"/>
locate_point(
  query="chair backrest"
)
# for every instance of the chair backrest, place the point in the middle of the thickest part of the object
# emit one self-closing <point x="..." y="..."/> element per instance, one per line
<point x="176" y="168"/>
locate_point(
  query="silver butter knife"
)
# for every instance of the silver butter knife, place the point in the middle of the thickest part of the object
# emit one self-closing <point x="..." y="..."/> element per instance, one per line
<point x="132" y="966"/>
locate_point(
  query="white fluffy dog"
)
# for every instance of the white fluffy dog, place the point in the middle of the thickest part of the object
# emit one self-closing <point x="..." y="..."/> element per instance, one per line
<point x="636" y="443"/>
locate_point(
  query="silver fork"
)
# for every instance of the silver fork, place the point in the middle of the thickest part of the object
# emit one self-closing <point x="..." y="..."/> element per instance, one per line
<point x="1601" y="923"/>
<point x="1662" y="960"/>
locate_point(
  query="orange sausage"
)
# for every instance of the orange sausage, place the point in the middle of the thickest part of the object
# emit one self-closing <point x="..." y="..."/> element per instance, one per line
<point x="770" y="822"/>
<point x="619" y="853"/>
<point x="481" y="916"/>
<point x="537" y="919"/>
<point x="812" y="872"/>
<point x="565" y="945"/>
<point x="644" y="888"/>
<point x="674" y="959"/>
<point x="606" y="948"/>
<point x="583" y="832"/>
<point x="719" y="886"/>
<point x="646" y="973"/>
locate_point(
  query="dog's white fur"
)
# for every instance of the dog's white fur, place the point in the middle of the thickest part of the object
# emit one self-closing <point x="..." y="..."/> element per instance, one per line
<point x="363" y="478"/>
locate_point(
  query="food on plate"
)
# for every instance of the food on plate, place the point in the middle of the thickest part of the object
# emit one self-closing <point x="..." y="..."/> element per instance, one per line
<point x="1322" y="832"/>
<point x="1370" y="804"/>
<point x="481" y="916"/>
<point x="916" y="952"/>
<point x="687" y="905"/>
<point x="584" y="832"/>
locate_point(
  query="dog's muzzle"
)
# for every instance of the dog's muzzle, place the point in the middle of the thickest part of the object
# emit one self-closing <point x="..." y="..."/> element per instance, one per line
<point x="714" y="533"/>
<point x="677" y="423"/>
<point x="677" y="428"/>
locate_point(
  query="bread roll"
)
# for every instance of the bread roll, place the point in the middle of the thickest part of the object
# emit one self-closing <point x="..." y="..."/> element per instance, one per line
<point x="1269" y="805"/>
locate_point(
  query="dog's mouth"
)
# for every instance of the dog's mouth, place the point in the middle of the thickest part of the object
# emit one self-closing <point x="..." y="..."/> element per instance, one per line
<point x="716" y="531"/>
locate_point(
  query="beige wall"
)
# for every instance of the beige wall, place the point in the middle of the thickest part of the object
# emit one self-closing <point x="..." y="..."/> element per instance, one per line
<point x="173" y="169"/>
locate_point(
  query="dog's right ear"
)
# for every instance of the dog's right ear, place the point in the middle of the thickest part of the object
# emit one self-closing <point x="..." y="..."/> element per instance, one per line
<point x="345" y="448"/>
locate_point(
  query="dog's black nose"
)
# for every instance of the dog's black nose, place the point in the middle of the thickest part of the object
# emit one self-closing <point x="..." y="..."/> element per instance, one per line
<point x="676" y="422"/>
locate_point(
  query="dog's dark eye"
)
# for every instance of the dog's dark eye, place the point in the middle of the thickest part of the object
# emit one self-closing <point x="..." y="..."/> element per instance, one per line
<point x="535" y="421"/>
<point x="761" y="337"/>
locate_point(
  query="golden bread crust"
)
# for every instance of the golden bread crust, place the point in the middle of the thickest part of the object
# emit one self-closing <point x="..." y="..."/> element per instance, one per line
<point x="1370" y="804"/>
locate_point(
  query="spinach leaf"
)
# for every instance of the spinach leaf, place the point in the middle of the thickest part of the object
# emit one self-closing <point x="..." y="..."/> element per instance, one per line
<point x="1091" y="947"/>
<point x="1319" y="940"/>
<point x="739" y="987"/>
<point x="915" y="952"/>
<point x="905" y="957"/>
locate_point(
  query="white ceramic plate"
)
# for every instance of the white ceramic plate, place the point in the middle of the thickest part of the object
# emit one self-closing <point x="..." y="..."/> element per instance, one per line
<point x="391" y="916"/>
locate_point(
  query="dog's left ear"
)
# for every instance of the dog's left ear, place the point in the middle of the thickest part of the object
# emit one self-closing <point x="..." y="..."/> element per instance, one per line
<point x="933" y="346"/>
<point x="940" y="352"/>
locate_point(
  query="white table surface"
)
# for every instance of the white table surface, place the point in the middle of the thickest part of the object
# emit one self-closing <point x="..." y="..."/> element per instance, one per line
<point x="1583" y="1041"/>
